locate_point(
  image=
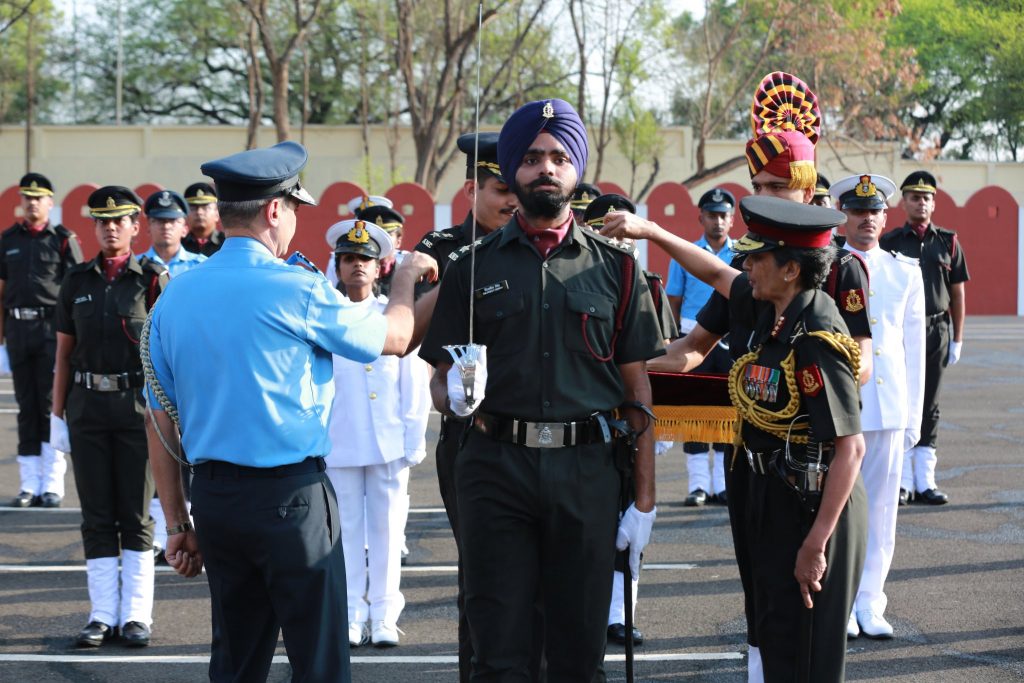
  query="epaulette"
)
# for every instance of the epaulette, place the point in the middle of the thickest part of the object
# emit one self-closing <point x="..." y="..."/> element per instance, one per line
<point x="623" y="247"/>
<point x="81" y="267"/>
<point x="457" y="254"/>
<point x="64" y="232"/>
<point x="11" y="229"/>
<point x="651" y="277"/>
<point x="431" y="238"/>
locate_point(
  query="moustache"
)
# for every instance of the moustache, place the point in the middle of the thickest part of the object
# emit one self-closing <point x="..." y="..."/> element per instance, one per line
<point x="545" y="181"/>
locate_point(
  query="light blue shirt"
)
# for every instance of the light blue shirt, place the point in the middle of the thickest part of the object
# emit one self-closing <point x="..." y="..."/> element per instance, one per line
<point x="242" y="347"/>
<point x="694" y="292"/>
<point x="182" y="261"/>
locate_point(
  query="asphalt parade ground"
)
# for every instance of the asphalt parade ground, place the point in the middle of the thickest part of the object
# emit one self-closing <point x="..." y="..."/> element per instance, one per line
<point x="956" y="589"/>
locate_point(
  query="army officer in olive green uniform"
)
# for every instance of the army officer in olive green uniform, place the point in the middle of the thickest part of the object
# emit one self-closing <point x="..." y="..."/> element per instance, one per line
<point x="796" y="393"/>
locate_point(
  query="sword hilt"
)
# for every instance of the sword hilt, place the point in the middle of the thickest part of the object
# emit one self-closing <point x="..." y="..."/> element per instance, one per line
<point x="465" y="357"/>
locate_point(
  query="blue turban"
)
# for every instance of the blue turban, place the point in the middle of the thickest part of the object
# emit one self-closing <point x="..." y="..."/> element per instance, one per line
<point x="556" y="117"/>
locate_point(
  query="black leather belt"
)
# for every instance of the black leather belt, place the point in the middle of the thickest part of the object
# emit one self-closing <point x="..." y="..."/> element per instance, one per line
<point x="593" y="429"/>
<point x="112" y="382"/>
<point x="36" y="313"/>
<point x="761" y="461"/>
<point x="219" y="469"/>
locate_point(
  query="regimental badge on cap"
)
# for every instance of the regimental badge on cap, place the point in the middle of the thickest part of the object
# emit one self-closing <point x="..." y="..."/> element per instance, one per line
<point x="717" y="196"/>
<point x="35" y="185"/>
<point x="111" y="204"/>
<point x="358" y="234"/>
<point x="853" y="300"/>
<point x="920" y="181"/>
<point x="165" y="199"/>
<point x="811" y="383"/>
<point x="548" y="111"/>
<point x="866" y="188"/>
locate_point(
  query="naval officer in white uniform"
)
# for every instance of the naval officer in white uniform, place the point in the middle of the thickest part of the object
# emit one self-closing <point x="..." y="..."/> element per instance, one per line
<point x="893" y="397"/>
<point x="377" y="430"/>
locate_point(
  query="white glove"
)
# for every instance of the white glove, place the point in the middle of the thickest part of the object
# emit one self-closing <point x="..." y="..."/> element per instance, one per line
<point x="954" y="352"/>
<point x="5" y="360"/>
<point x="662" y="447"/>
<point x="59" y="438"/>
<point x="457" y="392"/>
<point x="634" y="533"/>
<point x="414" y="457"/>
<point x="910" y="439"/>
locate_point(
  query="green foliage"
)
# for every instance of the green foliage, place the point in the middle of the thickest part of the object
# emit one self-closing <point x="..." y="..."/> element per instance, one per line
<point x="40" y="21"/>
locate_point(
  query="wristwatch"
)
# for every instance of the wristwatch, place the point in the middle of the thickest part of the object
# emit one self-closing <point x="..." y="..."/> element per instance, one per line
<point x="180" y="529"/>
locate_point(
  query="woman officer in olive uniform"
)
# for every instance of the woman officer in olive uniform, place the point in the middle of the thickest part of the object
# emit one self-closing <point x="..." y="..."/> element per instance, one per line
<point x="98" y="392"/>
<point x="799" y="405"/>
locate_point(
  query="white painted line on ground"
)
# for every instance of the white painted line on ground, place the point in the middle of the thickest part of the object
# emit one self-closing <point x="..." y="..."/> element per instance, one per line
<point x="412" y="511"/>
<point x="383" y="659"/>
<point x="408" y="569"/>
<point x="8" y="411"/>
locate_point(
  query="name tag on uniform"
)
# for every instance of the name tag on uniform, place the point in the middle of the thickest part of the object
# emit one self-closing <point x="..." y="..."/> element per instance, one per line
<point x="12" y="252"/>
<point x="83" y="299"/>
<point x="491" y="289"/>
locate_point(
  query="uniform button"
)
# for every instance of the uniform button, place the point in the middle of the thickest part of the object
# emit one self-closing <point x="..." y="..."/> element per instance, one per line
<point x="592" y="309"/>
<point x="874" y="321"/>
<point x="547" y="355"/>
<point x="871" y="292"/>
<point x="373" y="395"/>
<point x="547" y="404"/>
<point x="880" y="381"/>
<point x="878" y="352"/>
<point x="547" y="306"/>
<point x="369" y="368"/>
<point x="545" y="264"/>
<point x="499" y="314"/>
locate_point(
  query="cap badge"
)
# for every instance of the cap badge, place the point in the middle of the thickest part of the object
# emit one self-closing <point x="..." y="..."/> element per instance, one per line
<point x="200" y="194"/>
<point x="358" y="234"/>
<point x="866" y="188"/>
<point x="548" y="112"/>
<point x="34" y="185"/>
<point x="586" y="197"/>
<point x="165" y="199"/>
<point x="111" y="204"/>
<point x="717" y="197"/>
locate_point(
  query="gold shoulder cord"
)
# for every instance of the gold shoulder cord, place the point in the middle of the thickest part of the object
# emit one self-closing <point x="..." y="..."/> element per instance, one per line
<point x="777" y="422"/>
<point x="161" y="396"/>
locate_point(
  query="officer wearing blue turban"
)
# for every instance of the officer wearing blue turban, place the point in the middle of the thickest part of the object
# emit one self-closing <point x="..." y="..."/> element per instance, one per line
<point x="253" y="413"/>
<point x="568" y="324"/>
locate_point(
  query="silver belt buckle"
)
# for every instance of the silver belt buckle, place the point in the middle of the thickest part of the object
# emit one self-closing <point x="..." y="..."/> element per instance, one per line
<point x="105" y="383"/>
<point x="543" y="434"/>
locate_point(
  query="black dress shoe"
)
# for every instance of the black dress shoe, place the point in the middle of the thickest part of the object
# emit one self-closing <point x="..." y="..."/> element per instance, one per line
<point x="932" y="497"/>
<point x="617" y="634"/>
<point x="24" y="499"/>
<point x="696" y="498"/>
<point x="722" y="498"/>
<point x="94" y="634"/>
<point x="904" y="497"/>
<point x="50" y="500"/>
<point x="135" y="634"/>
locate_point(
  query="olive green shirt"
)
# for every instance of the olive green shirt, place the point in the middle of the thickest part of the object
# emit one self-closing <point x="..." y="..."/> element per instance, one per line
<point x="546" y="322"/>
<point x="829" y="393"/>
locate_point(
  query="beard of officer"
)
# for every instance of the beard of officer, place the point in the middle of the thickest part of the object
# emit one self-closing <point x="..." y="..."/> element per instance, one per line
<point x="547" y="203"/>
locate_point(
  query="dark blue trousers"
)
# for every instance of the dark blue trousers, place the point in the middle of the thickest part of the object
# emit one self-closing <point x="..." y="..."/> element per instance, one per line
<point x="273" y="556"/>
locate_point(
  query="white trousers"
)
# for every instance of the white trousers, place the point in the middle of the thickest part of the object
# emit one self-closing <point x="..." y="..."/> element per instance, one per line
<point x="156" y="511"/>
<point x="617" y="610"/>
<point x="919" y="469"/>
<point x="755" y="670"/>
<point x="117" y="597"/>
<point x="30" y="471"/>
<point x="373" y="504"/>
<point x="881" y="470"/>
<point x="701" y="475"/>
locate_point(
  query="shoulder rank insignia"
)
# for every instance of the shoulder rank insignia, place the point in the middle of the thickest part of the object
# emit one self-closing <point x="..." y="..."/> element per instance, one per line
<point x="853" y="300"/>
<point x="811" y="383"/>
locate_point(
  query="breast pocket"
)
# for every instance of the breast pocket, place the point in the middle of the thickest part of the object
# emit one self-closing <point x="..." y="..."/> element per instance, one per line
<point x="133" y="316"/>
<point x="589" y="323"/>
<point x="500" y="315"/>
